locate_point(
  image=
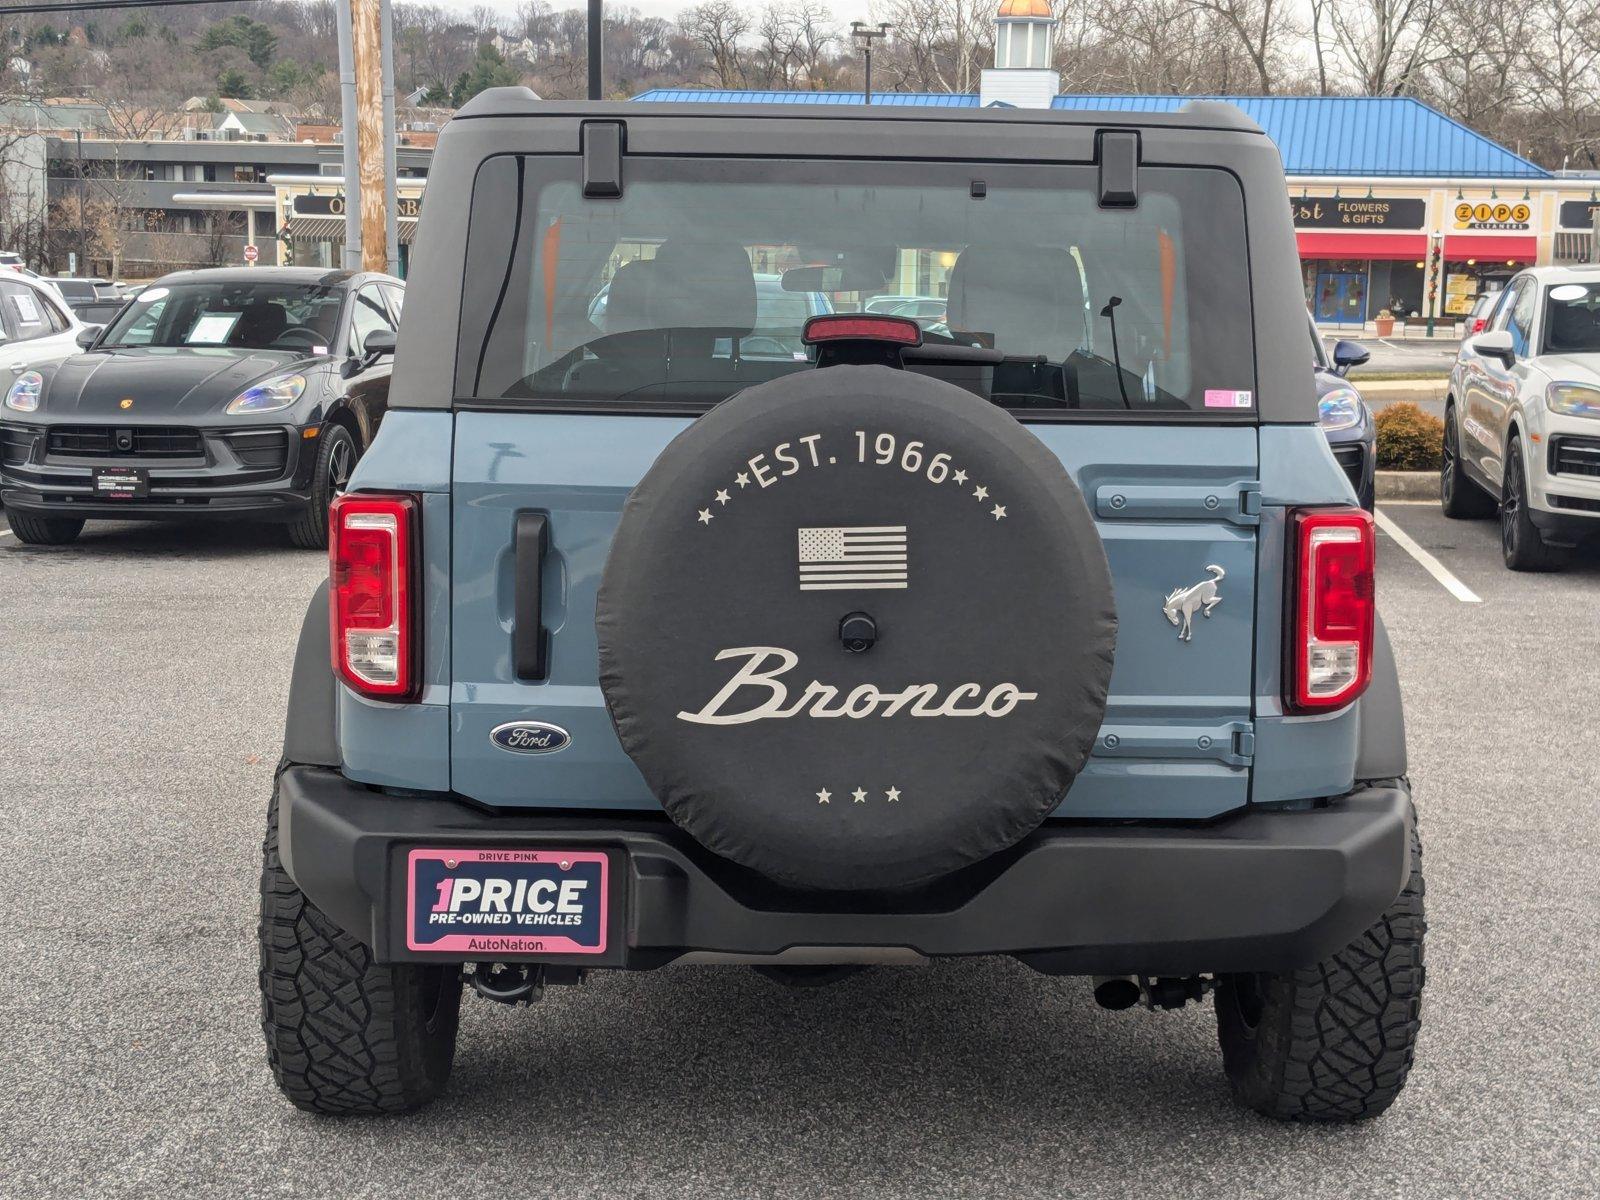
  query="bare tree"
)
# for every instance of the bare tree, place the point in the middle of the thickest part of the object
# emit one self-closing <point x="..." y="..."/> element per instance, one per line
<point x="1261" y="28"/>
<point x="718" y="26"/>
<point x="1478" y="77"/>
<point x="1565" y="75"/>
<point x="1384" y="44"/>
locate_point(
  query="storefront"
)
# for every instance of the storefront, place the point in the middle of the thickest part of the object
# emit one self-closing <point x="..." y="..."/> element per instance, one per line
<point x="311" y="219"/>
<point x="1361" y="254"/>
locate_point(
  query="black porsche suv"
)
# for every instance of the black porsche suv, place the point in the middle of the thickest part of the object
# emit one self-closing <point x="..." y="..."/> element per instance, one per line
<point x="245" y="393"/>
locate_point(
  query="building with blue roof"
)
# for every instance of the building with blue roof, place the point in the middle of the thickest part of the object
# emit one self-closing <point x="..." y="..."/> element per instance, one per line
<point x="1397" y="207"/>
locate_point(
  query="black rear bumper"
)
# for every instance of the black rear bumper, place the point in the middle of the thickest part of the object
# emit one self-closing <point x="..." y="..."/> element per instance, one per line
<point x="1260" y="891"/>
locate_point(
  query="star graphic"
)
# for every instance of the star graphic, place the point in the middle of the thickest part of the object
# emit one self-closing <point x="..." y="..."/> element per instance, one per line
<point x="705" y="516"/>
<point x="722" y="497"/>
<point x="824" y="796"/>
<point x="960" y="476"/>
<point x="860" y="795"/>
<point x="893" y="794"/>
<point x="742" y="479"/>
<point x="982" y="493"/>
<point x="999" y="511"/>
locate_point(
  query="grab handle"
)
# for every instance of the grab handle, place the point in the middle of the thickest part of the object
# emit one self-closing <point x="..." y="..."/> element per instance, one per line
<point x="530" y="641"/>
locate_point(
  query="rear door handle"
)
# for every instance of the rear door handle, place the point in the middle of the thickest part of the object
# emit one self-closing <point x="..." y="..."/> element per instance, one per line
<point x="530" y="642"/>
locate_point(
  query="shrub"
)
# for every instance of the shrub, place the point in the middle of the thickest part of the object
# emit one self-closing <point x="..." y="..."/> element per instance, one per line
<point x="1408" y="438"/>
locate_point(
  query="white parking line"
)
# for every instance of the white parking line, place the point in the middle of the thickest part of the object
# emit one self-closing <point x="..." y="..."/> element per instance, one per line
<point x="1430" y="564"/>
<point x="5" y="533"/>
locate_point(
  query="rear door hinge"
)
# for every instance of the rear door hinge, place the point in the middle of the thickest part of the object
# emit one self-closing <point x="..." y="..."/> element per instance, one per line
<point x="1232" y="743"/>
<point x="1237" y="501"/>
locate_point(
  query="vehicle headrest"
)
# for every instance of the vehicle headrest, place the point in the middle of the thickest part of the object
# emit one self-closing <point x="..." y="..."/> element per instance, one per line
<point x="261" y="321"/>
<point x="628" y="302"/>
<point x="703" y="285"/>
<point x="1028" y="298"/>
<point x="1572" y="327"/>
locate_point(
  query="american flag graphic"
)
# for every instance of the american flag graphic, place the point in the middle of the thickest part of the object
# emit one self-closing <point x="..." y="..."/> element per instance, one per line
<point x="854" y="557"/>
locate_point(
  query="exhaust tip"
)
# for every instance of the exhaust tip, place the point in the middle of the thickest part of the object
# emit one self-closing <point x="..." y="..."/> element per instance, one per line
<point x="1116" y="992"/>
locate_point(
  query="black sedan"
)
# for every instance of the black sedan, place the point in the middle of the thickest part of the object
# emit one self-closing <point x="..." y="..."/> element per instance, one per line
<point x="1345" y="418"/>
<point x="246" y="393"/>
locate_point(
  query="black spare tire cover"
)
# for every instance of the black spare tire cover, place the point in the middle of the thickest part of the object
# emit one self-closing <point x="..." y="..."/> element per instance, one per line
<point x="856" y="490"/>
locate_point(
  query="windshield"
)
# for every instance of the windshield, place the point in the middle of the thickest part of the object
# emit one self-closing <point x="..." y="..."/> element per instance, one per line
<point x="244" y="316"/>
<point x="699" y="281"/>
<point x="1572" y="319"/>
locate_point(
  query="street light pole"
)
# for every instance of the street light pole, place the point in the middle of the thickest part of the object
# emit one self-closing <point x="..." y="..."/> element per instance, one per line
<point x="866" y="36"/>
<point x="83" y="228"/>
<point x="596" y="32"/>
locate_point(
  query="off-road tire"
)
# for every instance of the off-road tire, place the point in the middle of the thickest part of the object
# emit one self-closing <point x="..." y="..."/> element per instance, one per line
<point x="344" y="1034"/>
<point x="1459" y="497"/>
<point x="44" y="531"/>
<point x="1521" y="544"/>
<point x="1333" y="1042"/>
<point x="309" y="530"/>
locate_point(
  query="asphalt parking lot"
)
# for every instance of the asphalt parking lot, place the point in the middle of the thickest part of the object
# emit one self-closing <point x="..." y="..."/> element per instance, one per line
<point x="143" y="674"/>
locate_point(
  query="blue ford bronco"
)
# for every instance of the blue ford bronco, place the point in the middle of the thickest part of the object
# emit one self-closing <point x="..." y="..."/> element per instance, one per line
<point x="718" y="623"/>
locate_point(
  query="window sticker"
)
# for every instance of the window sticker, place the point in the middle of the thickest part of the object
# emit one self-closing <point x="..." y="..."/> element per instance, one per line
<point x="27" y="310"/>
<point x="1229" y="398"/>
<point x="212" y="329"/>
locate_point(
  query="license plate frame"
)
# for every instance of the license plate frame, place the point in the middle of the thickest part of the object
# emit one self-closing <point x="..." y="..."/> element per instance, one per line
<point x="121" y="483"/>
<point x="532" y="922"/>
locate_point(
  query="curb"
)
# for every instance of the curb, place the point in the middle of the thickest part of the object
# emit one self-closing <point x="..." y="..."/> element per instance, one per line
<point x="1407" y="485"/>
<point x="1428" y="387"/>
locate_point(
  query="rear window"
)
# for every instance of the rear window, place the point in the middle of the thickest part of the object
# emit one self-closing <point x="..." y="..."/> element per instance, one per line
<point x="699" y="281"/>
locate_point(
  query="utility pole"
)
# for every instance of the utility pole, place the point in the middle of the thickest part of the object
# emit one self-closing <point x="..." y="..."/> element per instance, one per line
<point x="866" y="36"/>
<point x="366" y="43"/>
<point x="596" y="48"/>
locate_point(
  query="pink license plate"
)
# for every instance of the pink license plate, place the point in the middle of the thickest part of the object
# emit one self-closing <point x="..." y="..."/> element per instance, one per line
<point x="493" y="902"/>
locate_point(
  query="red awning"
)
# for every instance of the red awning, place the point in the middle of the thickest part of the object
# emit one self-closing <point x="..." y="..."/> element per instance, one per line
<point x="1458" y="247"/>
<point x="1383" y="246"/>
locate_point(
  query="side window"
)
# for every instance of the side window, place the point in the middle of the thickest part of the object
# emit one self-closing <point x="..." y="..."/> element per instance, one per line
<point x="1521" y="308"/>
<point x="56" y="318"/>
<point x="25" y="312"/>
<point x="397" y="298"/>
<point x="367" y="315"/>
<point x="143" y="329"/>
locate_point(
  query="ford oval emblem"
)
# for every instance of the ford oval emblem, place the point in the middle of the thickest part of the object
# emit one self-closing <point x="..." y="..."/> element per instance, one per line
<point x="530" y="737"/>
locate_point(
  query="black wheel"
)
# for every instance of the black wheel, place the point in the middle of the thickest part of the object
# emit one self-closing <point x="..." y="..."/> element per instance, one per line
<point x="336" y="459"/>
<point x="345" y="1034"/>
<point x="1521" y="544"/>
<point x="44" y="531"/>
<point x="1333" y="1042"/>
<point x="1459" y="497"/>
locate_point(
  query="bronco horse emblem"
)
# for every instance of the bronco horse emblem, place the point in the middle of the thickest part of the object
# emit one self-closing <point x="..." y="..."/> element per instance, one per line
<point x="1182" y="603"/>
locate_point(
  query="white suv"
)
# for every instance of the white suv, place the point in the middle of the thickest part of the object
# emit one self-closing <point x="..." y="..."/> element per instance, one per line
<point x="1522" y="418"/>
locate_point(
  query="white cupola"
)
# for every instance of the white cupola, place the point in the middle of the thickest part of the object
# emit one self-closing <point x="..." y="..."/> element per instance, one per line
<point x="1024" y="44"/>
<point x="1023" y="33"/>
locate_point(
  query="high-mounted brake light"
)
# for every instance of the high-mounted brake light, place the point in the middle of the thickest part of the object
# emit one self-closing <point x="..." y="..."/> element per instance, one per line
<point x="371" y="585"/>
<point x="1334" y="608"/>
<point x="853" y="327"/>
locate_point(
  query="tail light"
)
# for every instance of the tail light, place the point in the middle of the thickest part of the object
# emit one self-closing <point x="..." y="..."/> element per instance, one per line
<point x="851" y="327"/>
<point x="371" y="562"/>
<point x="1334" y="608"/>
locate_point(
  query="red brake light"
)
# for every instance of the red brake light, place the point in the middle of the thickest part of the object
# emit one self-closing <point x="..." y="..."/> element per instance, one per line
<point x="1334" y="608"/>
<point x="370" y="566"/>
<point x="845" y="327"/>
